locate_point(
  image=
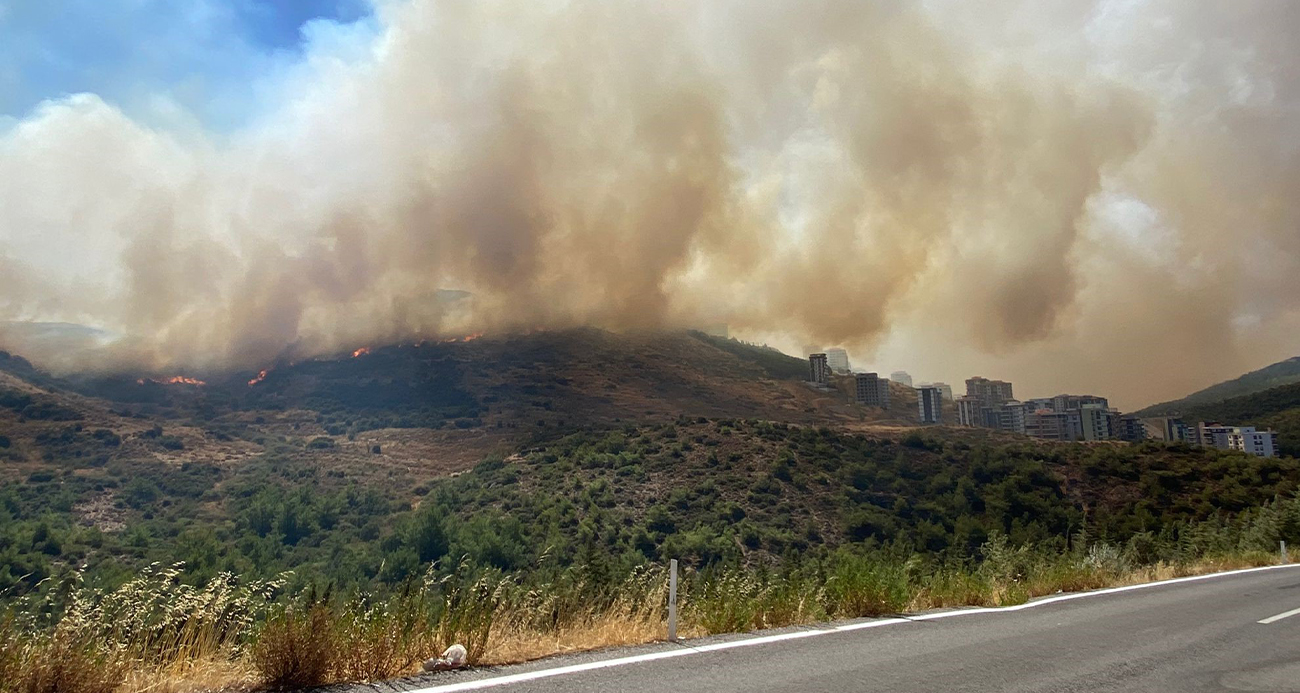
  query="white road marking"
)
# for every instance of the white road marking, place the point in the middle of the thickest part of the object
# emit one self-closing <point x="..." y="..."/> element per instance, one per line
<point x="1279" y="617"/>
<point x="793" y="635"/>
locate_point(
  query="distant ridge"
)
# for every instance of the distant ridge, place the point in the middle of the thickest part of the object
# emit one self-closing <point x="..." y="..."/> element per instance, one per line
<point x="1281" y="373"/>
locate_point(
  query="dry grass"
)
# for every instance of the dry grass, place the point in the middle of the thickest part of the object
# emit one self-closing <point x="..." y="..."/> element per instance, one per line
<point x="513" y="644"/>
<point x="207" y="674"/>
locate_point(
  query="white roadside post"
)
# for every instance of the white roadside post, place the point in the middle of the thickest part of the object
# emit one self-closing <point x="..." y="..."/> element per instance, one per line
<point x="672" y="600"/>
<point x="1284" y="558"/>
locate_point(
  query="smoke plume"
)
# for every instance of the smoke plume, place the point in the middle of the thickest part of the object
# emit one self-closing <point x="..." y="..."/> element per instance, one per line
<point x="1100" y="197"/>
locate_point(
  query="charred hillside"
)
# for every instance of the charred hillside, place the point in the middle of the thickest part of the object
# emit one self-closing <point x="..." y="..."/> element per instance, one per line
<point x="592" y="374"/>
<point x="438" y="406"/>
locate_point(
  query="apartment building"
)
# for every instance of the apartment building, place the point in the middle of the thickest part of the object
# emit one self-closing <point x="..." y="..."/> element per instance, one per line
<point x="818" y="370"/>
<point x="838" y="360"/>
<point x="991" y="392"/>
<point x="929" y="404"/>
<point x="870" y="389"/>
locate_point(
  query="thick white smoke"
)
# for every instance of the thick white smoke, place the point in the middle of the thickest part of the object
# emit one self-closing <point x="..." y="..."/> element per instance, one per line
<point x="1096" y="197"/>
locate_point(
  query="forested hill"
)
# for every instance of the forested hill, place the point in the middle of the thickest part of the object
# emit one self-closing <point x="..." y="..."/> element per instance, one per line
<point x="709" y="492"/>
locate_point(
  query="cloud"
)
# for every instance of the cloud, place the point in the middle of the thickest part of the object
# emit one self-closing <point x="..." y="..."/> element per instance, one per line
<point x="964" y="186"/>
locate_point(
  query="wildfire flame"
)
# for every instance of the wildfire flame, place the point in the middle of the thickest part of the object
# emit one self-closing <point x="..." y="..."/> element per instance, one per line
<point x="261" y="375"/>
<point x="174" y="380"/>
<point x="361" y="352"/>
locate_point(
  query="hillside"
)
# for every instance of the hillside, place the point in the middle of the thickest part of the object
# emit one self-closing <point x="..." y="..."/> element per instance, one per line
<point x="437" y="405"/>
<point x="707" y="491"/>
<point x="1276" y="375"/>
<point x="385" y="419"/>
<point x="362" y="468"/>
<point x="544" y="480"/>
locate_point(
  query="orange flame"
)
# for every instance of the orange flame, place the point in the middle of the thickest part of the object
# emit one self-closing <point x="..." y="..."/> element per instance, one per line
<point x="182" y="380"/>
<point x="361" y="352"/>
<point x="466" y="338"/>
<point x="261" y="375"/>
<point x="174" y="380"/>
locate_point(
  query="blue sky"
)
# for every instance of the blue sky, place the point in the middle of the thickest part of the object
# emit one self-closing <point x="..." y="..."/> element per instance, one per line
<point x="202" y="54"/>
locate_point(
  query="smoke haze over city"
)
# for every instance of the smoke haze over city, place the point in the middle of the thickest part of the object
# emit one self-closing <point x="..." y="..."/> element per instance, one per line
<point x="1077" y="196"/>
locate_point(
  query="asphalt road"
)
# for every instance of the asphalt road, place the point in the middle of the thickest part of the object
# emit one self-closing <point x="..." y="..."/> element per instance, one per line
<point x="1193" y="636"/>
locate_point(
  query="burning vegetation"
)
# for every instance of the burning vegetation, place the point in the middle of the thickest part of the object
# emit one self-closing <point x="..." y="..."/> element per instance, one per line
<point x="174" y="380"/>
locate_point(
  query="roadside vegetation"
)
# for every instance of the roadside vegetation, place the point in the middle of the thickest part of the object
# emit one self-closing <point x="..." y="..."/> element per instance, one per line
<point x="154" y="633"/>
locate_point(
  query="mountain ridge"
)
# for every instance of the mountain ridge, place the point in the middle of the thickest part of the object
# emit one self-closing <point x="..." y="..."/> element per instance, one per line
<point x="1274" y="375"/>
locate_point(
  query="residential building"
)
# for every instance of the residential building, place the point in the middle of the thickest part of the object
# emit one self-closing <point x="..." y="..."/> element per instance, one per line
<point x="1097" y="422"/>
<point x="970" y="412"/>
<point x="1240" y="438"/>
<point x="1068" y="402"/>
<point x="871" y="390"/>
<point x="818" y="370"/>
<point x="991" y="392"/>
<point x="901" y="377"/>
<point x="1246" y="439"/>
<point x="1209" y="435"/>
<point x="1048" y="403"/>
<point x="1130" y="428"/>
<point x="945" y="390"/>
<point x="1009" y="416"/>
<point x="1054" y="425"/>
<point x="838" y="360"/>
<point x="929" y="404"/>
<point x="1167" y="428"/>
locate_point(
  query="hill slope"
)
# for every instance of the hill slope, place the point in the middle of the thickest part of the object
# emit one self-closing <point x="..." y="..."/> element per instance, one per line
<point x="432" y="407"/>
<point x="1277" y="408"/>
<point x="1278" y="374"/>
<point x="704" y="491"/>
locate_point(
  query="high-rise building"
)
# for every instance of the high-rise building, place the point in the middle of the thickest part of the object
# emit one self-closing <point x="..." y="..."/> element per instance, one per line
<point x="1008" y="416"/>
<point x="970" y="411"/>
<point x="871" y="390"/>
<point x="818" y="370"/>
<point x="1054" y="425"/>
<point x="901" y="377"/>
<point x="838" y="359"/>
<point x="1166" y="428"/>
<point x="944" y="389"/>
<point x="1130" y="428"/>
<point x="991" y="392"/>
<point x="1096" y="422"/>
<point x="1241" y="438"/>
<point x="1246" y="439"/>
<point x="929" y="404"/>
<point x="1068" y="402"/>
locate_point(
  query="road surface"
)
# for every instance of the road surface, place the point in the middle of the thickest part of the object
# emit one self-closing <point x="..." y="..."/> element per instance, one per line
<point x="1230" y="632"/>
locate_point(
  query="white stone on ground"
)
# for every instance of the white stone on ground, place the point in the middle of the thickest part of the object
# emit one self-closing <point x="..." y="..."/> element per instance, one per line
<point x="453" y="658"/>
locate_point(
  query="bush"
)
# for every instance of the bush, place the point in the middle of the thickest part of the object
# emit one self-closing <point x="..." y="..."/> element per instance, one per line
<point x="107" y="437"/>
<point x="296" y="649"/>
<point x="321" y="443"/>
<point x="171" y="443"/>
